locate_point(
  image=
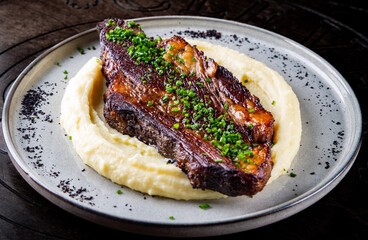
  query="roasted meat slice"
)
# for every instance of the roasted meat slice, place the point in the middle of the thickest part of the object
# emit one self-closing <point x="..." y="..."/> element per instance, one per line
<point x="195" y="112"/>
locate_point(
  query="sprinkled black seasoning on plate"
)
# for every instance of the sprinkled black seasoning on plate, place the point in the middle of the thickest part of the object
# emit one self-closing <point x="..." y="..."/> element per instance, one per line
<point x="211" y="33"/>
<point x="74" y="192"/>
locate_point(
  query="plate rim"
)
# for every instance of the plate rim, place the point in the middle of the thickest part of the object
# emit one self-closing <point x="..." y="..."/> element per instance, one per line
<point x="27" y="173"/>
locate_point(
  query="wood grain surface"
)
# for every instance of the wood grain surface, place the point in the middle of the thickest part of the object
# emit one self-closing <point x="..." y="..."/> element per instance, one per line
<point x="336" y="30"/>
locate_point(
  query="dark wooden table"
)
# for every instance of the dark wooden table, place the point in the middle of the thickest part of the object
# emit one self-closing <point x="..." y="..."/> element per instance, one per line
<point x="336" y="30"/>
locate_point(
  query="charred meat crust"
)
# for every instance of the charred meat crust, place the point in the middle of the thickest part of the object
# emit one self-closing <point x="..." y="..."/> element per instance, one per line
<point x="126" y="110"/>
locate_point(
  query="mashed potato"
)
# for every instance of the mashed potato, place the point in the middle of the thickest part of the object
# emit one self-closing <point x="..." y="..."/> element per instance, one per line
<point x="127" y="161"/>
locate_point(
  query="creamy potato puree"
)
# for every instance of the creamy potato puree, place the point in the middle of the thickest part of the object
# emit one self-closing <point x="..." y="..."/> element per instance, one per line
<point x="127" y="161"/>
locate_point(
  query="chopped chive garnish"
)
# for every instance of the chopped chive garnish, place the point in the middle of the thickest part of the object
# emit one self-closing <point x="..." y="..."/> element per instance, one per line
<point x="150" y="103"/>
<point x="131" y="24"/>
<point x="110" y="23"/>
<point x="204" y="206"/>
<point x="165" y="98"/>
<point x="226" y="106"/>
<point x="191" y="94"/>
<point x="176" y="125"/>
<point x="292" y="174"/>
<point x="81" y="50"/>
<point x="119" y="191"/>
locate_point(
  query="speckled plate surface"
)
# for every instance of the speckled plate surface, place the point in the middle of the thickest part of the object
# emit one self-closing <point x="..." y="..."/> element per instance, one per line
<point x="41" y="152"/>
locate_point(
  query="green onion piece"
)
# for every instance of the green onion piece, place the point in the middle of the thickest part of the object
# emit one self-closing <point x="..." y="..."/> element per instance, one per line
<point x="191" y="94"/>
<point x="292" y="174"/>
<point x="204" y="206"/>
<point x="81" y="50"/>
<point x="176" y="125"/>
<point x="110" y="22"/>
<point x="131" y="24"/>
<point x="165" y="98"/>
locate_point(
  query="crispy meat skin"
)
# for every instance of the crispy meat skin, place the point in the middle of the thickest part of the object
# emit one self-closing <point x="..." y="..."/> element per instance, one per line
<point x="126" y="110"/>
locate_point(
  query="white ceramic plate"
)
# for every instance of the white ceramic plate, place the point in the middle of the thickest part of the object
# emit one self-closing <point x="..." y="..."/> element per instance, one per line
<point x="331" y="121"/>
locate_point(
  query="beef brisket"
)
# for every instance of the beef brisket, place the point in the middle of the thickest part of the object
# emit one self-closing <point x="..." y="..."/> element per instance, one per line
<point x="195" y="112"/>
